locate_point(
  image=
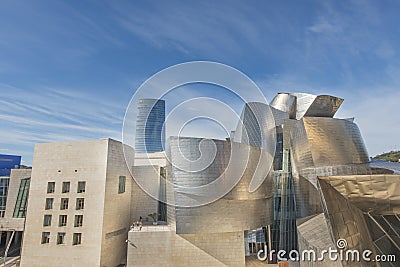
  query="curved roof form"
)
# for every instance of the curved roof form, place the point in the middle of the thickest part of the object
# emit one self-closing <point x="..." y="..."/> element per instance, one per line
<point x="299" y="105"/>
<point x="286" y="103"/>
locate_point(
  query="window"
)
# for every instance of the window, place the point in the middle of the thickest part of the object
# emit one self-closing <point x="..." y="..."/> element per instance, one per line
<point x="45" y="237"/>
<point x="47" y="220"/>
<point x="78" y="221"/>
<point x="51" y="187"/>
<point x="64" y="204"/>
<point x="60" y="238"/>
<point x="3" y="195"/>
<point x="77" y="239"/>
<point x="81" y="187"/>
<point x="80" y="203"/>
<point x="121" y="185"/>
<point x="22" y="198"/>
<point x="62" y="220"/>
<point x="49" y="203"/>
<point x="65" y="187"/>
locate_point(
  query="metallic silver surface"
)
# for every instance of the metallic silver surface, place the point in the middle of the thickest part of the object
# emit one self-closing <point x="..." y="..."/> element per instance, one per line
<point x="379" y="194"/>
<point x="335" y="184"/>
<point x="346" y="222"/>
<point x="314" y="233"/>
<point x="318" y="141"/>
<point x="309" y="105"/>
<point x="257" y="127"/>
<point x="237" y="210"/>
<point x="286" y="103"/>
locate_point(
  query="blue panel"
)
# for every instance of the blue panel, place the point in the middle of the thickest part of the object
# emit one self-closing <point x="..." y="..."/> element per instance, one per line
<point x="8" y="162"/>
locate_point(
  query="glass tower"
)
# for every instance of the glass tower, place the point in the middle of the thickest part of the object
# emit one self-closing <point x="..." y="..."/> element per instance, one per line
<point x="149" y="126"/>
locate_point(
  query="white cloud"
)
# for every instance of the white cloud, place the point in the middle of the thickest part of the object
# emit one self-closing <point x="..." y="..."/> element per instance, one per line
<point x="54" y="115"/>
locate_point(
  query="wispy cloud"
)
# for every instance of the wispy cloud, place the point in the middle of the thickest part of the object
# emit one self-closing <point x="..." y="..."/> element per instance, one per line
<point x="53" y="115"/>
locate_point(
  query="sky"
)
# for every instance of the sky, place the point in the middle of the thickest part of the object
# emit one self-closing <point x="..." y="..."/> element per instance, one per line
<point x="68" y="69"/>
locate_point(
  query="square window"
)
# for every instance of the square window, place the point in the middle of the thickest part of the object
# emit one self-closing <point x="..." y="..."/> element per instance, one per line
<point x="51" y="187"/>
<point x="60" y="238"/>
<point x="77" y="239"/>
<point x="45" y="237"/>
<point x="62" y="220"/>
<point x="47" y="220"/>
<point x="81" y="187"/>
<point x="78" y="221"/>
<point x="64" y="204"/>
<point x="65" y="187"/>
<point x="121" y="184"/>
<point x="80" y="203"/>
<point x="49" y="203"/>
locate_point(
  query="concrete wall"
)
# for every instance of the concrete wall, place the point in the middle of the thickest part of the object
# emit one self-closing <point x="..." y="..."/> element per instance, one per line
<point x="117" y="217"/>
<point x="166" y="248"/>
<point x="78" y="161"/>
<point x="142" y="203"/>
<point x="8" y="222"/>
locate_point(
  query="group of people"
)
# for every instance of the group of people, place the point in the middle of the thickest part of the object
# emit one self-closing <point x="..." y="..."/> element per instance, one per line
<point x="138" y="224"/>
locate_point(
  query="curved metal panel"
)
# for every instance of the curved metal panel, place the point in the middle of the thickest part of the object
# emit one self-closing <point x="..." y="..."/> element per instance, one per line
<point x="308" y="105"/>
<point x="377" y="193"/>
<point x="257" y="126"/>
<point x="237" y="210"/>
<point x="285" y="102"/>
<point x="324" y="106"/>
<point x="334" y="141"/>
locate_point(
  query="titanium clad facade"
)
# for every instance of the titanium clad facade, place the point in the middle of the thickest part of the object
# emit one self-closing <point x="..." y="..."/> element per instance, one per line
<point x="322" y="188"/>
<point x="239" y="208"/>
<point x="385" y="234"/>
<point x="286" y="103"/>
<point x="309" y="105"/>
<point x="377" y="193"/>
<point x="257" y="126"/>
<point x="324" y="106"/>
<point x="149" y="126"/>
<point x="327" y="142"/>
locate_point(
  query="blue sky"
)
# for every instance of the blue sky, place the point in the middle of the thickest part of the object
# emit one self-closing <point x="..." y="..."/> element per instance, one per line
<point x="69" y="68"/>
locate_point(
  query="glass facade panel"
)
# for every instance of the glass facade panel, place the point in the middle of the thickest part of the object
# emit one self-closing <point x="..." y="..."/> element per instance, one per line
<point x="121" y="184"/>
<point x="149" y="126"/>
<point x="3" y="195"/>
<point x="22" y="199"/>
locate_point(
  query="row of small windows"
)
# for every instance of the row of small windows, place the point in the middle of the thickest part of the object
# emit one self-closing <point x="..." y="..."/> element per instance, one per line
<point x="66" y="186"/>
<point x="76" y="239"/>
<point x="62" y="220"/>
<point x="80" y="203"/>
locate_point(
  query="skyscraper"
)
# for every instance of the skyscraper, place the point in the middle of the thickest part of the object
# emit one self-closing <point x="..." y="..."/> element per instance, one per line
<point x="149" y="126"/>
